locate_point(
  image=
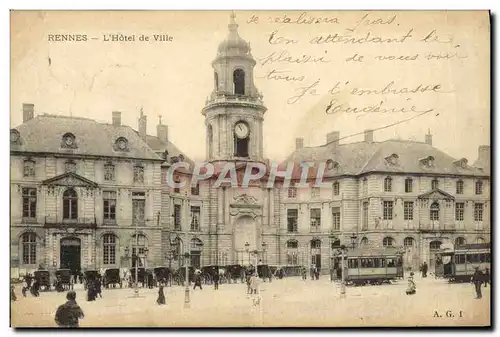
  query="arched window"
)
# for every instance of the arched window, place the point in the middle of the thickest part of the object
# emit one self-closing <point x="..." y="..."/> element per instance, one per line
<point x="195" y="252"/>
<point x="460" y="241"/>
<point x="292" y="257"/>
<point x="388" y="241"/>
<point x="435" y="245"/>
<point x="364" y="242"/>
<point x="29" y="248"/>
<point x="434" y="213"/>
<point x="239" y="82"/>
<point x="408" y="242"/>
<point x="109" y="249"/>
<point x="29" y="168"/>
<point x="480" y="240"/>
<point x="336" y="188"/>
<point x="388" y="184"/>
<point x="70" y="204"/>
<point x="216" y="81"/>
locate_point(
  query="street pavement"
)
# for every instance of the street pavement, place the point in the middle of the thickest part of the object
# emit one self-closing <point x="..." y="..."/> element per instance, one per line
<point x="290" y="302"/>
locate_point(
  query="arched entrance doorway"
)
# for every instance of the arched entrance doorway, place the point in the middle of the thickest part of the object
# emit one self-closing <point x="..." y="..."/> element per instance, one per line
<point x="245" y="231"/>
<point x="70" y="256"/>
<point x="434" y="247"/>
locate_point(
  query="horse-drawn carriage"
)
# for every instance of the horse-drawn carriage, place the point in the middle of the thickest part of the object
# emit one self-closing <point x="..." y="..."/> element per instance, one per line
<point x="63" y="280"/>
<point x="141" y="276"/>
<point x="43" y="279"/>
<point x="236" y="272"/>
<point x="163" y="275"/>
<point x="112" y="277"/>
<point x="209" y="272"/>
<point x="265" y="272"/>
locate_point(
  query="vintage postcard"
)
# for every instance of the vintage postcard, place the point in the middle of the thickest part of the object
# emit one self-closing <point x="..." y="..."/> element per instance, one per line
<point x="250" y="169"/>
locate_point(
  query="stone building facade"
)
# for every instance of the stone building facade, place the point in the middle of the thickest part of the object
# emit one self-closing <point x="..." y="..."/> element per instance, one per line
<point x="87" y="195"/>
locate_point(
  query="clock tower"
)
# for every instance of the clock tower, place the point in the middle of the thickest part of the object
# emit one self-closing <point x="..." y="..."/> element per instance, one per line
<point x="234" y="112"/>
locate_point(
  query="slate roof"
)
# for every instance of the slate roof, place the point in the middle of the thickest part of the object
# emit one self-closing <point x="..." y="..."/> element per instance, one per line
<point x="364" y="157"/>
<point x="159" y="147"/>
<point x="43" y="134"/>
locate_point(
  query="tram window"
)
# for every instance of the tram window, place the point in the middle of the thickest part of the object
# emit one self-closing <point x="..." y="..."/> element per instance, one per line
<point x="460" y="259"/>
<point x="473" y="258"/>
<point x="483" y="258"/>
<point x="390" y="262"/>
<point x="353" y="263"/>
<point x="376" y="263"/>
<point x="488" y="257"/>
<point x="400" y="262"/>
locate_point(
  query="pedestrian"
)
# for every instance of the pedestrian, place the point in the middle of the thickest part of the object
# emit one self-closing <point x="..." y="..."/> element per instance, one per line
<point x="91" y="292"/>
<point x="68" y="314"/>
<point x="254" y="284"/>
<point x="478" y="279"/>
<point x="412" y="288"/>
<point x="13" y="296"/>
<point x="161" y="296"/>
<point x="98" y="287"/>
<point x="197" y="281"/>
<point x="304" y="273"/>
<point x="486" y="277"/>
<point x="216" y="280"/>
<point x="248" y="279"/>
<point x="24" y="288"/>
<point x="35" y="289"/>
<point x="424" y="269"/>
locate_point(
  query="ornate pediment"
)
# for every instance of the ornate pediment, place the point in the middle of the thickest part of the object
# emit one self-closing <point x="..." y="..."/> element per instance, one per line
<point x="254" y="213"/>
<point x="245" y="199"/>
<point x="436" y="194"/>
<point x="70" y="179"/>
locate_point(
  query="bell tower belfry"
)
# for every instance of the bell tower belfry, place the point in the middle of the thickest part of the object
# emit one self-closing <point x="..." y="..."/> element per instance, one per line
<point x="234" y="112"/>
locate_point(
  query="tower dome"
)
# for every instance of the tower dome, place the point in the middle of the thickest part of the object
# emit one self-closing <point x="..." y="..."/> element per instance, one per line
<point x="233" y="45"/>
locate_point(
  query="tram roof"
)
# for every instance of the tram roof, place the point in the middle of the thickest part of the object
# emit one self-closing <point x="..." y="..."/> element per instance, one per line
<point x="373" y="251"/>
<point x="473" y="246"/>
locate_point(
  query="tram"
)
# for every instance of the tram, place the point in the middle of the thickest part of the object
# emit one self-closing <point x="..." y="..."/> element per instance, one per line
<point x="373" y="265"/>
<point x="460" y="263"/>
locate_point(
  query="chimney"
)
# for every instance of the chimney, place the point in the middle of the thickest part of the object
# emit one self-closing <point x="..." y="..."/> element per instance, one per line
<point x="369" y="136"/>
<point x="117" y="118"/>
<point x="428" y="137"/>
<point x="142" y="125"/>
<point x="162" y="132"/>
<point x="483" y="154"/>
<point x="299" y="143"/>
<point x="28" y="111"/>
<point x="333" y="137"/>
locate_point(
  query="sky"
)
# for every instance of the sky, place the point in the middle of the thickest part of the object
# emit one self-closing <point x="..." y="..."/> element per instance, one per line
<point x="95" y="77"/>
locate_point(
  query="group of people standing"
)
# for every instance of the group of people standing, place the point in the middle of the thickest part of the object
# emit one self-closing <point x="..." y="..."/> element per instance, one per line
<point x="94" y="288"/>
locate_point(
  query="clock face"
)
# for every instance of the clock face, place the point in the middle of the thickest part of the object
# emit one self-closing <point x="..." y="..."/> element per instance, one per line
<point x="69" y="140"/>
<point x="241" y="130"/>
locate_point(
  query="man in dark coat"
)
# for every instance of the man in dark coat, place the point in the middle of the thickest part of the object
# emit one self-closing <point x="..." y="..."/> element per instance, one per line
<point x="35" y="288"/>
<point x="161" y="296"/>
<point x="478" y="279"/>
<point x="424" y="269"/>
<point x="486" y="277"/>
<point x="13" y="296"/>
<point x="68" y="314"/>
<point x="91" y="291"/>
<point x="197" y="281"/>
<point x="216" y="279"/>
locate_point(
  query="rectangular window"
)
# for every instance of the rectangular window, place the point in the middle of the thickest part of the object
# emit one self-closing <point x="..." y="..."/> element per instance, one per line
<point x="408" y="210"/>
<point x="109" y="172"/>
<point x="29" y="168"/>
<point x="292" y="192"/>
<point x="138" y="174"/>
<point x="336" y="218"/>
<point x="365" y="215"/>
<point x="29" y="203"/>
<point x="138" y="208"/>
<point x="195" y="190"/>
<point x="460" y="187"/>
<point x="195" y="218"/>
<point x="478" y="212"/>
<point x="292" y="258"/>
<point x="459" y="211"/>
<point x="109" y="250"/>
<point x="435" y="184"/>
<point x="388" y="206"/>
<point x="336" y="188"/>
<point x="292" y="218"/>
<point x="408" y="185"/>
<point x="315" y="192"/>
<point x="479" y="187"/>
<point x="460" y="259"/>
<point x="109" y="200"/>
<point x="388" y="184"/>
<point x="177" y="217"/>
<point x="315" y="219"/>
<point x="352" y="263"/>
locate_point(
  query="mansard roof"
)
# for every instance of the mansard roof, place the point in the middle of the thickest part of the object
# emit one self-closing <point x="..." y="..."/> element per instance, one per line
<point x="44" y="134"/>
<point x="365" y="157"/>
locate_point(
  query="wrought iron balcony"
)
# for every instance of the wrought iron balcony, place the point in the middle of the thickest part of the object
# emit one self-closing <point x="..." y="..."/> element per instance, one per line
<point x="59" y="221"/>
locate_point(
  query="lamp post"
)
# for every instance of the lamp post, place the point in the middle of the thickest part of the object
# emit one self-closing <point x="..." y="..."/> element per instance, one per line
<point x="186" y="256"/>
<point x="331" y="237"/>
<point x="342" y="251"/>
<point x="264" y="250"/>
<point x="247" y="247"/>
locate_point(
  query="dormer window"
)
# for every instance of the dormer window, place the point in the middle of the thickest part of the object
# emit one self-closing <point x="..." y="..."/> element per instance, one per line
<point x="15" y="137"/>
<point x="428" y="162"/>
<point x="29" y="168"/>
<point x="461" y="163"/>
<point x="331" y="165"/>
<point x="70" y="166"/>
<point x="121" y="144"/>
<point x="392" y="159"/>
<point x="68" y="141"/>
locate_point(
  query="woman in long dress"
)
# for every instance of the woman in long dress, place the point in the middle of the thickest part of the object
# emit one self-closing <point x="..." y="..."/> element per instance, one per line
<point x="412" y="288"/>
<point x="161" y="296"/>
